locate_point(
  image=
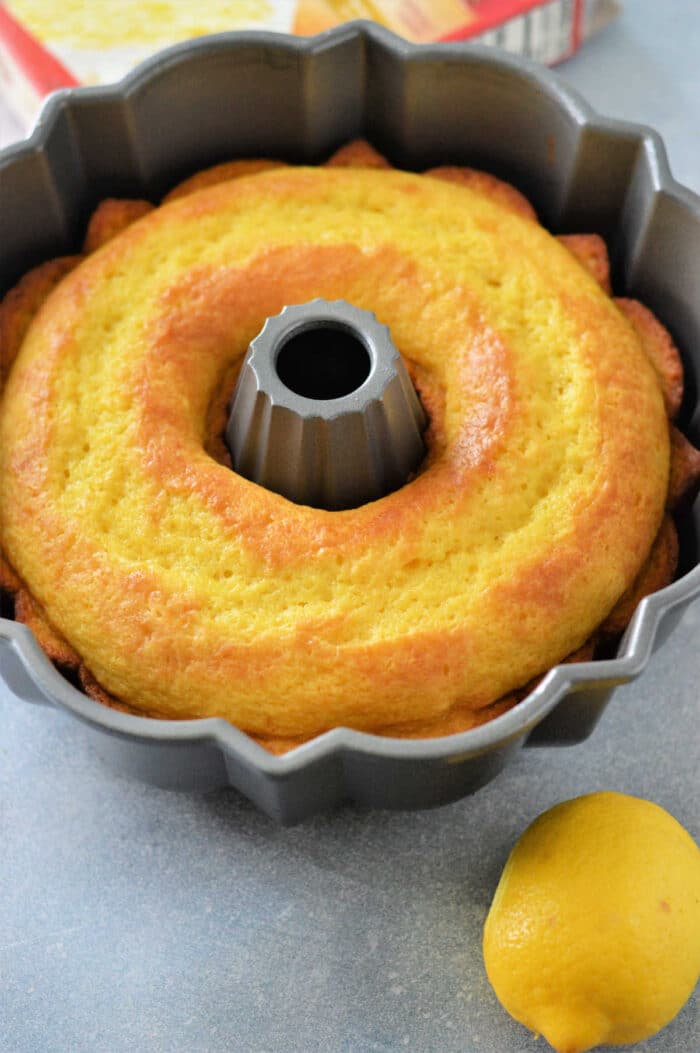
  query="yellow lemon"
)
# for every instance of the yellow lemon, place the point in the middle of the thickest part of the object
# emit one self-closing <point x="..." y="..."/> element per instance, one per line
<point x="593" y="935"/>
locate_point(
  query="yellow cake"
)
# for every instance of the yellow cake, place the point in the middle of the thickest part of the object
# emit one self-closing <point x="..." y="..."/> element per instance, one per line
<point x="184" y="590"/>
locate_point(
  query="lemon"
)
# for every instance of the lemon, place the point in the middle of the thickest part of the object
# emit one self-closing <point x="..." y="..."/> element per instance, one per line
<point x="593" y="935"/>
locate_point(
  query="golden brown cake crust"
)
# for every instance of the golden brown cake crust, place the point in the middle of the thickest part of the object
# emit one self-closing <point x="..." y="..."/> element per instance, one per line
<point x="111" y="217"/>
<point x="662" y="352"/>
<point x="220" y="174"/>
<point x="658" y="571"/>
<point x="590" y="250"/>
<point x="9" y="582"/>
<point x="684" y="480"/>
<point x="23" y="301"/>
<point x="58" y="650"/>
<point x="357" y="154"/>
<point x="459" y="717"/>
<point x="485" y="183"/>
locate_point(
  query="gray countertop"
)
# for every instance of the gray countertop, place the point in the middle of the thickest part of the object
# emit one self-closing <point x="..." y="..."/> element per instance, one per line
<point x="133" y="919"/>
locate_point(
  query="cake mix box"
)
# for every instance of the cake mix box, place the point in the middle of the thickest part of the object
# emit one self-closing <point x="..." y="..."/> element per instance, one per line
<point x="48" y="44"/>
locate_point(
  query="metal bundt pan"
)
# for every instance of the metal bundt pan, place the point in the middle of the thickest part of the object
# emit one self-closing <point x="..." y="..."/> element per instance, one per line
<point x="298" y="99"/>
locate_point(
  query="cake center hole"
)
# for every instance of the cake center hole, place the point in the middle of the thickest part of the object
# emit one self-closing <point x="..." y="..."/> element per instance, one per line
<point x="323" y="362"/>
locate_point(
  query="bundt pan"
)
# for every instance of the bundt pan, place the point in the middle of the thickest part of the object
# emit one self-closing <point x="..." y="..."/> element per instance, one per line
<point x="254" y="94"/>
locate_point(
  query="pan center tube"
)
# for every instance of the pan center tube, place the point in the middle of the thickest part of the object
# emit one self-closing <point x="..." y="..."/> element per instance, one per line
<point x="324" y="411"/>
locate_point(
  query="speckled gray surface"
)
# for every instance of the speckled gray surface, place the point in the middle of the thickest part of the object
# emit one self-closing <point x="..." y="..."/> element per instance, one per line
<point x="133" y="919"/>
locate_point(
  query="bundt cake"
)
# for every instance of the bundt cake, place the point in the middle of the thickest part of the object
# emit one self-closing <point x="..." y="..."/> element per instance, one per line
<point x="180" y="589"/>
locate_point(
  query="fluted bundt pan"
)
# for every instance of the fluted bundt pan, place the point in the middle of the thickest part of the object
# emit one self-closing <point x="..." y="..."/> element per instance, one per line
<point x="256" y="94"/>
